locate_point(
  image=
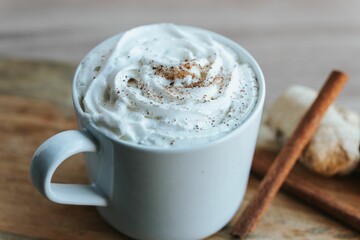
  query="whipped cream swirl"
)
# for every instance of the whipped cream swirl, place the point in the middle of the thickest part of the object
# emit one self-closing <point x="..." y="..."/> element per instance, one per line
<point x="164" y="85"/>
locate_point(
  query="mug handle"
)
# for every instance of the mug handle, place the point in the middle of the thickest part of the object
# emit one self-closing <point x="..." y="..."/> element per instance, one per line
<point x="50" y="155"/>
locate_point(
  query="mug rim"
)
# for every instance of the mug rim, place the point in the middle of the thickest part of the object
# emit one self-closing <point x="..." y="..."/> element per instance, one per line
<point x="240" y="51"/>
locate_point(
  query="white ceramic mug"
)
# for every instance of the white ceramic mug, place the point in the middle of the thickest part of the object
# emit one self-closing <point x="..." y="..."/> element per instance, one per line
<point x="149" y="192"/>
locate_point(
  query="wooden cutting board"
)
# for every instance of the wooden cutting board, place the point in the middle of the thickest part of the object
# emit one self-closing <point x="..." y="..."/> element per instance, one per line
<point x="35" y="103"/>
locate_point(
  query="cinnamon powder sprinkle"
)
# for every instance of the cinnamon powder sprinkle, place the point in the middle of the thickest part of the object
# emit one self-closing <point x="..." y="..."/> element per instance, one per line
<point x="172" y="73"/>
<point x="181" y="71"/>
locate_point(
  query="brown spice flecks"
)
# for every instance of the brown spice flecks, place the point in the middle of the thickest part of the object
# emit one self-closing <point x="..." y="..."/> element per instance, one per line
<point x="172" y="73"/>
<point x="181" y="71"/>
<point x="202" y="83"/>
<point x="97" y="68"/>
<point x="132" y="82"/>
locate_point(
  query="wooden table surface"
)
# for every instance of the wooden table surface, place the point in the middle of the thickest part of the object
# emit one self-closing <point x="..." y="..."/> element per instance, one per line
<point x="295" y="42"/>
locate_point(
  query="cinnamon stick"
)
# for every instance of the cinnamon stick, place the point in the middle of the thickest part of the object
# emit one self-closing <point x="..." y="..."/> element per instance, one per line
<point x="288" y="155"/>
<point x="301" y="188"/>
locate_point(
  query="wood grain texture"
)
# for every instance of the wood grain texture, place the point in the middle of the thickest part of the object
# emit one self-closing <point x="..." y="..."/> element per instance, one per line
<point x="29" y="117"/>
<point x="295" y="42"/>
<point x="322" y="197"/>
<point x="289" y="154"/>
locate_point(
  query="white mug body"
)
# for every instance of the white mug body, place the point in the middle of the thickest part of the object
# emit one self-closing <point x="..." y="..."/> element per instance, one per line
<point x="159" y="193"/>
<point x="172" y="194"/>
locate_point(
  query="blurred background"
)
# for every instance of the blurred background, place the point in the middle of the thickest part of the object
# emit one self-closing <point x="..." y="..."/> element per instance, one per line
<point x="295" y="42"/>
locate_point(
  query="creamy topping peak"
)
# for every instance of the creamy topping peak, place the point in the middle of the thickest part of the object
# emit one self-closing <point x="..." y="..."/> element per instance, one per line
<point x="165" y="85"/>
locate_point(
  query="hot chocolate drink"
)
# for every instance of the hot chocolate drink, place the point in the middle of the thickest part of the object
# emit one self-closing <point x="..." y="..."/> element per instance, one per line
<point x="166" y="85"/>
